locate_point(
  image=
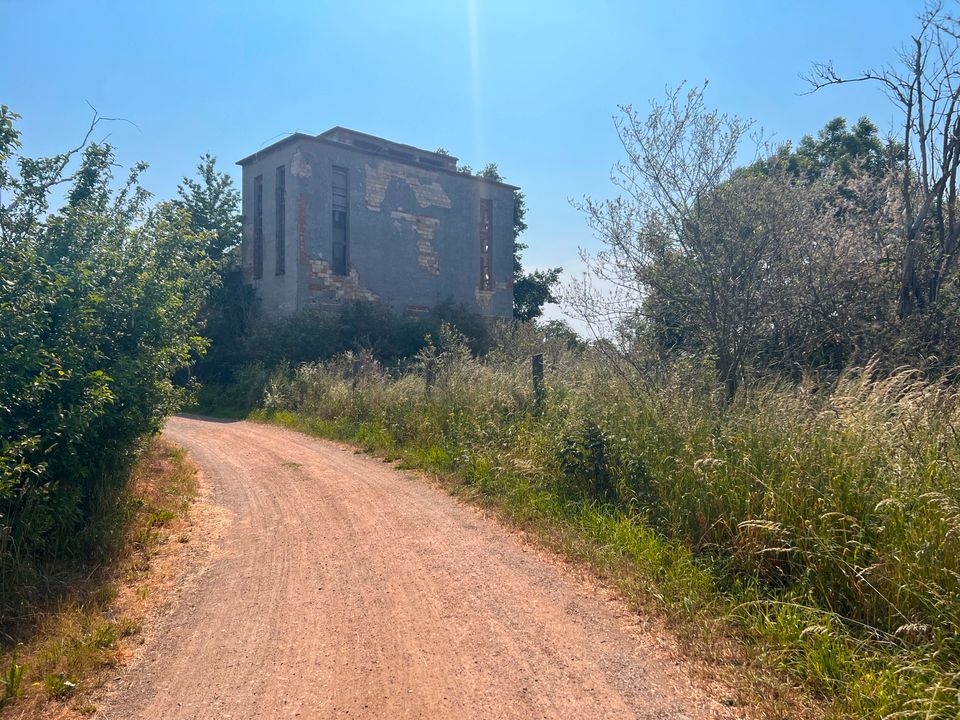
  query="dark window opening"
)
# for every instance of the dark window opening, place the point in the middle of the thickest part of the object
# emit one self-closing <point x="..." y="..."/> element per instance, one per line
<point x="258" y="227"/>
<point x="281" y="220"/>
<point x="341" y="233"/>
<point x="486" y="239"/>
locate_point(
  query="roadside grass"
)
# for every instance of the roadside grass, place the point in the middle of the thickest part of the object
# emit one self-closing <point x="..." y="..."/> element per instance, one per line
<point x="805" y="545"/>
<point x="75" y="639"/>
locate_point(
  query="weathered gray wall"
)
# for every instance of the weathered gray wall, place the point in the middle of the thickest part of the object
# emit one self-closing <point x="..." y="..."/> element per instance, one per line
<point x="279" y="294"/>
<point x="414" y="232"/>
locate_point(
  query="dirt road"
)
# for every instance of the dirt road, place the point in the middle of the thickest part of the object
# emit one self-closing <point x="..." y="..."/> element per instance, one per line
<point x="341" y="588"/>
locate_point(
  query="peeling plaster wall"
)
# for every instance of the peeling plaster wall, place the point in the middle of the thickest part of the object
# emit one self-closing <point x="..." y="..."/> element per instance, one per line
<point x="426" y="228"/>
<point x="413" y="233"/>
<point x="424" y="184"/>
<point x="323" y="281"/>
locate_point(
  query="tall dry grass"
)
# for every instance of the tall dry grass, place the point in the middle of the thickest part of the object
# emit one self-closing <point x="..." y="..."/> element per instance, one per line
<point x="823" y="524"/>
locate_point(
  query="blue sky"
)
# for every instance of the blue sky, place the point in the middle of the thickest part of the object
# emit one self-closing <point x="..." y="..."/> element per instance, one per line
<point x="532" y="86"/>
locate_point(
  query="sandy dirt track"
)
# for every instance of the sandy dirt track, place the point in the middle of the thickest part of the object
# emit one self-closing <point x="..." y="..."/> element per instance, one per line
<point x="340" y="587"/>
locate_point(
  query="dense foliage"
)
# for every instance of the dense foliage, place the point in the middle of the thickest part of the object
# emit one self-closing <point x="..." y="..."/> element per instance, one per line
<point x="321" y="334"/>
<point x="213" y="203"/>
<point x="842" y="250"/>
<point x="98" y="309"/>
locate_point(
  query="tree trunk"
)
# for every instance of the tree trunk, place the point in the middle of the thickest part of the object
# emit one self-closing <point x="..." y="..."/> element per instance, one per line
<point x="727" y="371"/>
<point x="908" y="280"/>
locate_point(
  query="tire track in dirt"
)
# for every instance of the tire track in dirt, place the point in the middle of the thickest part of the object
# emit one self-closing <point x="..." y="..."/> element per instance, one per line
<point x="345" y="588"/>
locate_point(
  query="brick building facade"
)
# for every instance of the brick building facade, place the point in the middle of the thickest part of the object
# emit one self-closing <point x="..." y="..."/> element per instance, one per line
<point x="345" y="216"/>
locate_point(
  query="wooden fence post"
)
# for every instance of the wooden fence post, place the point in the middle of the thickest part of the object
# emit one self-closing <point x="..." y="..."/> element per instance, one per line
<point x="428" y="372"/>
<point x="536" y="366"/>
<point x="355" y="372"/>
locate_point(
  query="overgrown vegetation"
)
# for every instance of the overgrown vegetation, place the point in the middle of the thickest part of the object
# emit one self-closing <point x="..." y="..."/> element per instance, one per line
<point x="99" y="306"/>
<point x="320" y="334"/>
<point x="819" y="527"/>
<point x="75" y="644"/>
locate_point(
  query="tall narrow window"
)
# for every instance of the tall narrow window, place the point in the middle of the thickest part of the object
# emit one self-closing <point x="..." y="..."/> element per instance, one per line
<point x="281" y="218"/>
<point x="341" y="236"/>
<point x="258" y="227"/>
<point x="486" y="239"/>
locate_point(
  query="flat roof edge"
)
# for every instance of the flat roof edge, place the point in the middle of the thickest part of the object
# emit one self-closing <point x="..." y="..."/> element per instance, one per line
<point x="360" y="151"/>
<point x="394" y="143"/>
<point x="273" y="146"/>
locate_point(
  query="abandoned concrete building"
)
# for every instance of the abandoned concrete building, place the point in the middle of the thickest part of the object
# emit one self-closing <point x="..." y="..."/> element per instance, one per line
<point x="345" y="216"/>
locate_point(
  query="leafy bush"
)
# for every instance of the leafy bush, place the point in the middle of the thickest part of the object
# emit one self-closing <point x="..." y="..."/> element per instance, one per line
<point x="98" y="308"/>
<point x="583" y="457"/>
<point x="59" y="685"/>
<point x="11" y="678"/>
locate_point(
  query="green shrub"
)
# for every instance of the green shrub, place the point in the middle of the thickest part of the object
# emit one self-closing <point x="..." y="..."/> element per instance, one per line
<point x="59" y="685"/>
<point x="583" y="459"/>
<point x="98" y="309"/>
<point x="11" y="677"/>
<point x="320" y="334"/>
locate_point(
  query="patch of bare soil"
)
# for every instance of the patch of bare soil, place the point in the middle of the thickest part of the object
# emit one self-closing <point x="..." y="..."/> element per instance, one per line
<point x="341" y="587"/>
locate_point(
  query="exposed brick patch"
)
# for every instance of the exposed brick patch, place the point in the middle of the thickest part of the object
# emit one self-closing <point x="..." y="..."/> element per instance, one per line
<point x="344" y="287"/>
<point x="299" y="166"/>
<point x="426" y="229"/>
<point x="424" y="184"/>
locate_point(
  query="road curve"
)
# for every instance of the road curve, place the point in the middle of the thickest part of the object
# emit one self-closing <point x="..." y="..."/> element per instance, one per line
<point x="343" y="588"/>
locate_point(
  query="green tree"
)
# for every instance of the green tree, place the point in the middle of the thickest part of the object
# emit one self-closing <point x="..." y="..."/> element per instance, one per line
<point x="214" y="206"/>
<point x="923" y="87"/>
<point x="692" y="245"/>
<point x="845" y="151"/>
<point x="213" y="203"/>
<point x="99" y="304"/>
